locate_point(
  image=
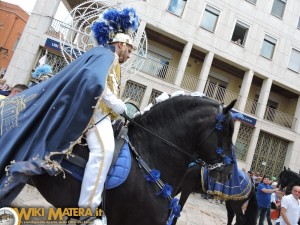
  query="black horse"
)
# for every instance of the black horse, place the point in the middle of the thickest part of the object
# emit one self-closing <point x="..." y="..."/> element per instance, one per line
<point x="288" y="179"/>
<point x="193" y="183"/>
<point x="185" y="121"/>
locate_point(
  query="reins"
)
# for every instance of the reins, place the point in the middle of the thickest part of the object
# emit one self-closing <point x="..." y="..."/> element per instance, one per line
<point x="162" y="139"/>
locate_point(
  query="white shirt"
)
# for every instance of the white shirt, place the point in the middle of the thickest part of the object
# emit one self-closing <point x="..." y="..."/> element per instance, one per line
<point x="292" y="209"/>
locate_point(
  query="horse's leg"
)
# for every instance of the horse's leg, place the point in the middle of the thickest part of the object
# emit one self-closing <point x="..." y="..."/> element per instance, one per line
<point x="190" y="183"/>
<point x="236" y="207"/>
<point x="183" y="198"/>
<point x="230" y="213"/>
<point x="252" y="209"/>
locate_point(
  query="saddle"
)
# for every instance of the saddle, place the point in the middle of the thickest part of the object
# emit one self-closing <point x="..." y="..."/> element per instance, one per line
<point x="121" y="162"/>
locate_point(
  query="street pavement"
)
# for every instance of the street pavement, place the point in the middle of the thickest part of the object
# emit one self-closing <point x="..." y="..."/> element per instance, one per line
<point x="197" y="211"/>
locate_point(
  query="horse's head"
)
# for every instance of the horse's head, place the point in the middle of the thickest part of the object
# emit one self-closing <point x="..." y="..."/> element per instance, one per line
<point x="215" y="144"/>
<point x="198" y="128"/>
<point x="287" y="179"/>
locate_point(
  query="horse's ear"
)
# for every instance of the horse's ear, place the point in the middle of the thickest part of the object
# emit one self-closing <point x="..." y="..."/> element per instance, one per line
<point x="284" y="168"/>
<point x="229" y="107"/>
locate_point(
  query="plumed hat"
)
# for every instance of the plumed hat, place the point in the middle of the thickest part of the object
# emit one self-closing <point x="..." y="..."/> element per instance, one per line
<point x="115" y="26"/>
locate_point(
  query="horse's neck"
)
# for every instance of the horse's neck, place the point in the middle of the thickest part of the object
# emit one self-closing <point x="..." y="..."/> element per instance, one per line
<point x="171" y="164"/>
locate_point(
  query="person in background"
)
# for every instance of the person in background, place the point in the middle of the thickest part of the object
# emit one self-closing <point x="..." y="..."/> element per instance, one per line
<point x="290" y="209"/>
<point x="15" y="90"/>
<point x="273" y="199"/>
<point x="264" y="191"/>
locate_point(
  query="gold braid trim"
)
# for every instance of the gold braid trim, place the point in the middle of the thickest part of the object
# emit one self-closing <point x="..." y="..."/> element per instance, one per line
<point x="221" y="196"/>
<point x="113" y="83"/>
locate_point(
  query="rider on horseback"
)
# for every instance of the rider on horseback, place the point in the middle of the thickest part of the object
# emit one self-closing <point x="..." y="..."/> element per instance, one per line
<point x="108" y="29"/>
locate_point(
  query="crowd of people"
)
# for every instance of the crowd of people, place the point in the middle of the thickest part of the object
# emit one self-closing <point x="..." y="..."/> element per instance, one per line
<point x="274" y="206"/>
<point x="272" y="202"/>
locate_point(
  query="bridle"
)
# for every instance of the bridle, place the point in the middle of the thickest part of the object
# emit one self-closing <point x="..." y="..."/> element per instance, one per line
<point x="224" y="160"/>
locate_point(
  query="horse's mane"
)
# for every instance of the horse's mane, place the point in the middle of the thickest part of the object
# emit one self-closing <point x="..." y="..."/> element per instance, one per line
<point x="171" y="108"/>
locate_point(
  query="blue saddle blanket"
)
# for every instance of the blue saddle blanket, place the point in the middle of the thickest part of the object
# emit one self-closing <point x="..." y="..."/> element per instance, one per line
<point x="117" y="174"/>
<point x="237" y="188"/>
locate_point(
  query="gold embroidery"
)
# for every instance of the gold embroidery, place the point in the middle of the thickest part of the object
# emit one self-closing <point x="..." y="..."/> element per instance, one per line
<point x="10" y="109"/>
<point x="113" y="83"/>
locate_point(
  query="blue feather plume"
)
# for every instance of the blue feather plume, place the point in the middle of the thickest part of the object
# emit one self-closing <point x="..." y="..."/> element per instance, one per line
<point x="112" y="22"/>
<point x="42" y="70"/>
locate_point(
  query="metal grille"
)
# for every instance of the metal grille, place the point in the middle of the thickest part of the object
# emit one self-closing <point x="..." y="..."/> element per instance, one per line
<point x="154" y="94"/>
<point x="56" y="61"/>
<point x="269" y="154"/>
<point x="135" y="92"/>
<point x="243" y="141"/>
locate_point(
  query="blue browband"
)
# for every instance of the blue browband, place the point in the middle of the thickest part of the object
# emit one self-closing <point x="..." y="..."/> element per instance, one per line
<point x="219" y="126"/>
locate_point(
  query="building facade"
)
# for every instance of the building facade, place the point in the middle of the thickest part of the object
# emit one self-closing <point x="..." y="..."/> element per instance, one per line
<point x="247" y="50"/>
<point x="12" y="22"/>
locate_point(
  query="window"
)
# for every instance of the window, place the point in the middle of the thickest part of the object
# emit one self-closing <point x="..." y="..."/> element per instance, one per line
<point x="252" y="1"/>
<point x="268" y="47"/>
<point x="156" y="65"/>
<point x="278" y="8"/>
<point x="294" y="63"/>
<point x="176" y="7"/>
<point x="240" y="33"/>
<point x="153" y="96"/>
<point x="135" y="92"/>
<point x="56" y="61"/>
<point x="210" y="18"/>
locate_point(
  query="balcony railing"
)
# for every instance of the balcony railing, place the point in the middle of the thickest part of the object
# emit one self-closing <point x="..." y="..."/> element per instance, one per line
<point x="220" y="94"/>
<point x="279" y="118"/>
<point x="189" y="82"/>
<point x="58" y="27"/>
<point x="251" y="106"/>
<point x="159" y="70"/>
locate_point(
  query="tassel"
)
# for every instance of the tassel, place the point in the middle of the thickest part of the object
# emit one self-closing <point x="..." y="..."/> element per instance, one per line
<point x="153" y="176"/>
<point x="166" y="191"/>
<point x="176" y="208"/>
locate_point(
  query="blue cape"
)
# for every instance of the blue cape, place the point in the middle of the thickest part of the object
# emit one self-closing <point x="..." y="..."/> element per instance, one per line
<point x="49" y="117"/>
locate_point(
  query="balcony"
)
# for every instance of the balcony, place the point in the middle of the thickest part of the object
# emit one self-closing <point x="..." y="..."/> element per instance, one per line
<point x="219" y="93"/>
<point x="159" y="70"/>
<point x="189" y="82"/>
<point x="279" y="118"/>
<point x="251" y="106"/>
<point x="57" y="27"/>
